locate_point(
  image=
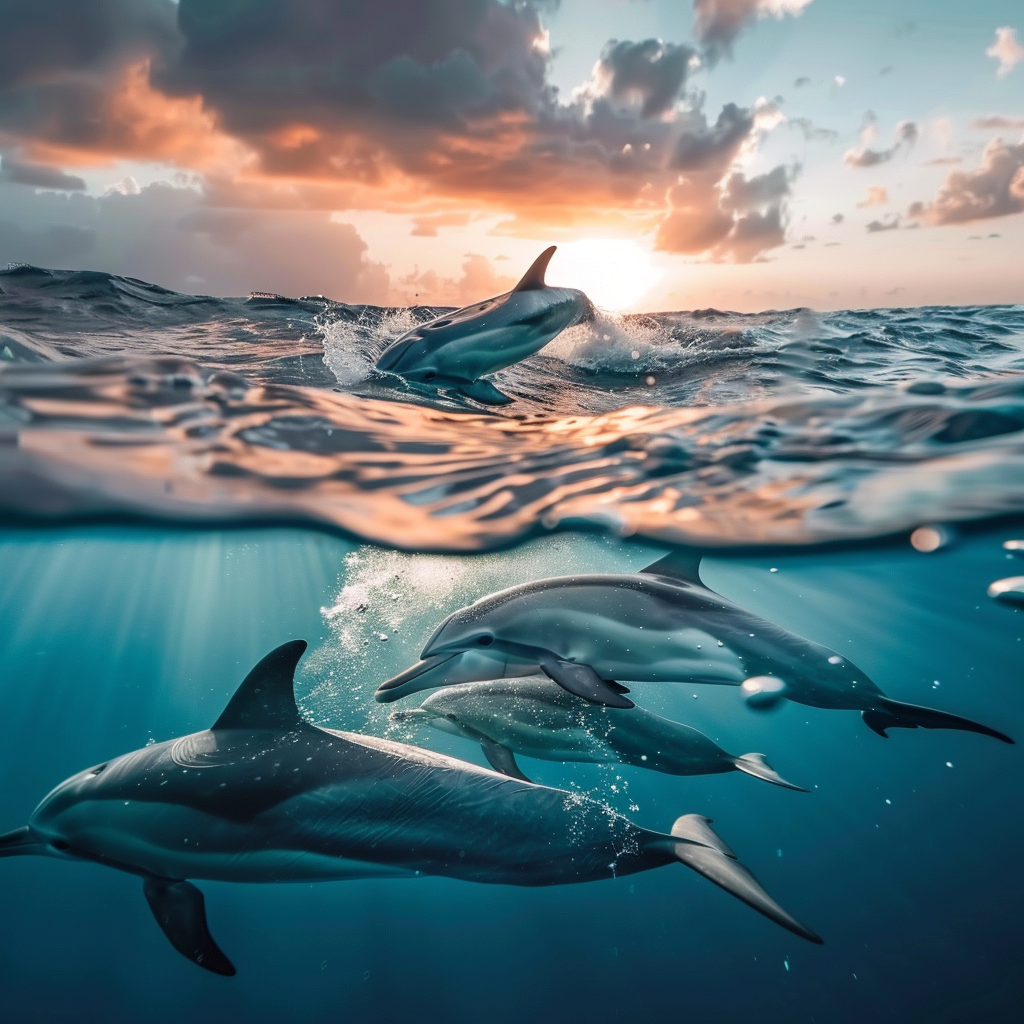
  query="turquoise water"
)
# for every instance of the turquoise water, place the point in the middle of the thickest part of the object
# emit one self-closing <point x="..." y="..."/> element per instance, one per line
<point x="904" y="855"/>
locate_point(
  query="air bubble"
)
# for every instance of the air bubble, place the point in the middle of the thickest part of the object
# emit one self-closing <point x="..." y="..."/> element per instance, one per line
<point x="651" y="381"/>
<point x="762" y="692"/>
<point x="835" y="660"/>
<point x="927" y="539"/>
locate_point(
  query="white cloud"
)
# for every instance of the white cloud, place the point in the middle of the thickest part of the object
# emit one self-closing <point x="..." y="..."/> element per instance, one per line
<point x="1006" y="50"/>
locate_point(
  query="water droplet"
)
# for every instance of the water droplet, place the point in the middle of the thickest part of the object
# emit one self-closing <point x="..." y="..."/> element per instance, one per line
<point x="1010" y="590"/>
<point x="949" y="764"/>
<point x="773" y="570"/>
<point x="889" y="802"/>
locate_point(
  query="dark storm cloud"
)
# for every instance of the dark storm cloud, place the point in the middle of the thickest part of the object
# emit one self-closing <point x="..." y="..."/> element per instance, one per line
<point x="741" y="193"/>
<point x="59" y="58"/>
<point x="47" y="41"/>
<point x="395" y="104"/>
<point x="995" y="189"/>
<point x="705" y="146"/>
<point x="653" y="70"/>
<point x="19" y="172"/>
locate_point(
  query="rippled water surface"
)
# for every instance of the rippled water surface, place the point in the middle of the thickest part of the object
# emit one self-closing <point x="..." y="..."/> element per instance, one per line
<point x="119" y="399"/>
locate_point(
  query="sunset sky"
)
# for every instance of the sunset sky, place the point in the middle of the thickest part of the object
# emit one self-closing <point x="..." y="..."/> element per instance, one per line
<point x="743" y="154"/>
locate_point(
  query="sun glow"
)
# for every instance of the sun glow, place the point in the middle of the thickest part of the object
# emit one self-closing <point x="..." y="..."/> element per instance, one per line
<point x="614" y="272"/>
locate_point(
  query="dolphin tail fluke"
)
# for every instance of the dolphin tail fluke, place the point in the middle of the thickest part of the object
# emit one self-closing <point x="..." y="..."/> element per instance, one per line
<point x="180" y="911"/>
<point x="891" y="714"/>
<point x="484" y="392"/>
<point x="756" y="765"/>
<point x="501" y="759"/>
<point x="584" y="682"/>
<point x="701" y="849"/>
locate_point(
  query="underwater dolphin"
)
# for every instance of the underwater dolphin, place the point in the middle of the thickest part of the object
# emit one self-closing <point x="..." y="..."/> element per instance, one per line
<point x="536" y="717"/>
<point x="263" y="796"/>
<point x="456" y="349"/>
<point x="657" y="625"/>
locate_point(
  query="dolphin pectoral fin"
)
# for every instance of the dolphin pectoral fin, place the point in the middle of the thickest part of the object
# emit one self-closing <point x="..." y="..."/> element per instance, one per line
<point x="756" y="765"/>
<point x="180" y="911"/>
<point x="501" y="759"/>
<point x="698" y="847"/>
<point x="584" y="682"/>
<point x="681" y="564"/>
<point x="484" y="392"/>
<point x="533" y="279"/>
<point x="892" y="714"/>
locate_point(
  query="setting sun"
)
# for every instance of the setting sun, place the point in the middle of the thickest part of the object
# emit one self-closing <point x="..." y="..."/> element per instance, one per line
<point x="614" y="272"/>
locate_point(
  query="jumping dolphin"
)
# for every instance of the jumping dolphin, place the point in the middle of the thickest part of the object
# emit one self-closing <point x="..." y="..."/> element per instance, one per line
<point x="658" y="625"/>
<point x="456" y="349"/>
<point x="536" y="717"/>
<point x="263" y="796"/>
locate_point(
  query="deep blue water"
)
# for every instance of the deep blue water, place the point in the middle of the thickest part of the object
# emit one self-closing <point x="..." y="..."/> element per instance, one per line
<point x="905" y="855"/>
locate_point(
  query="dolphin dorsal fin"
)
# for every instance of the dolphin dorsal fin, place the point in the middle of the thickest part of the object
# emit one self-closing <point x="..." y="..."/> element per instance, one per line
<point x="533" y="279"/>
<point x="266" y="698"/>
<point x="683" y="564"/>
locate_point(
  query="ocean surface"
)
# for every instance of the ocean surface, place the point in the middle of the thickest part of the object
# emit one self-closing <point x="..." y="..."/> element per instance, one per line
<point x="187" y="482"/>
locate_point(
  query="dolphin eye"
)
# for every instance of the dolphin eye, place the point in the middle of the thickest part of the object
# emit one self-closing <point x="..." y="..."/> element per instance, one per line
<point x="59" y="844"/>
<point x="485" y="640"/>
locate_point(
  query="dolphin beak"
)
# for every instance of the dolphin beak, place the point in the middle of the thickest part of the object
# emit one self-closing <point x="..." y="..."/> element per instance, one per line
<point x="25" y="842"/>
<point x="412" y="679"/>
